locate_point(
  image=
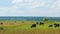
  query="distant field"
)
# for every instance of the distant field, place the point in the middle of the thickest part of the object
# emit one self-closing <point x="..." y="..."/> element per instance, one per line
<point x="24" y="27"/>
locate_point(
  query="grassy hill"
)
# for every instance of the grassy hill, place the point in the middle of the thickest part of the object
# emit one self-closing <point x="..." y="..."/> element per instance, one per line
<point x="24" y="27"/>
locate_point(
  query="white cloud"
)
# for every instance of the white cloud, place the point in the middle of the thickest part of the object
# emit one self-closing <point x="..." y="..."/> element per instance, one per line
<point x="15" y="1"/>
<point x="29" y="3"/>
<point x="52" y="5"/>
<point x="7" y="10"/>
<point x="34" y="8"/>
<point x="55" y="4"/>
<point x="49" y="13"/>
<point x="10" y="11"/>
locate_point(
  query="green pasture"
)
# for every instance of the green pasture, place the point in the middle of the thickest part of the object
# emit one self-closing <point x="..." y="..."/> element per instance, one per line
<point x="18" y="27"/>
<point x="25" y="28"/>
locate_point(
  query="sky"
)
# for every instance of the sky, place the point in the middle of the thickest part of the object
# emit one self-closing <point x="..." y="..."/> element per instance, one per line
<point x="47" y="8"/>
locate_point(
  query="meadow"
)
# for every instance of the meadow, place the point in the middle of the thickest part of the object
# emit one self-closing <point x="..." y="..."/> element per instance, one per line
<point x="24" y="27"/>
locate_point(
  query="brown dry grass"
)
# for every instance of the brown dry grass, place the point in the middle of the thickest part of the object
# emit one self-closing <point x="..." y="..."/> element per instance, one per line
<point x="35" y="31"/>
<point x="26" y="31"/>
<point x="16" y="23"/>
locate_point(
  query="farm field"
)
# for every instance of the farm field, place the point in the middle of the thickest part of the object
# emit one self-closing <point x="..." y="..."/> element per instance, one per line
<point x="24" y="27"/>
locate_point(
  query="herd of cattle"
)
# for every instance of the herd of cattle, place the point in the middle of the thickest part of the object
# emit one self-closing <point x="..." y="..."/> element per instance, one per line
<point x="35" y="25"/>
<point x="42" y="23"/>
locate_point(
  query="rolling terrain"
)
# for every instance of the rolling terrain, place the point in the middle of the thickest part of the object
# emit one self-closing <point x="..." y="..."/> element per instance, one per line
<point x="24" y="27"/>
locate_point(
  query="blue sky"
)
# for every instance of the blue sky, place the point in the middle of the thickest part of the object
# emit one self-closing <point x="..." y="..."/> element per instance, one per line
<point x="49" y="8"/>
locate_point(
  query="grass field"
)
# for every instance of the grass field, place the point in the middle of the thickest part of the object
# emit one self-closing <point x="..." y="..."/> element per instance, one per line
<point x="24" y="27"/>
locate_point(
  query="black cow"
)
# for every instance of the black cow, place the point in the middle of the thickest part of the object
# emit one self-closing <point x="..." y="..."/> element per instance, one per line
<point x="1" y="23"/>
<point x="50" y="25"/>
<point x="37" y="23"/>
<point x="41" y="23"/>
<point x="56" y="25"/>
<point x="33" y="26"/>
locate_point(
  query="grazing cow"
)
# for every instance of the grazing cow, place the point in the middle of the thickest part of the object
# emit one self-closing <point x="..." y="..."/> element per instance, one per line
<point x="33" y="26"/>
<point x="36" y="22"/>
<point x="1" y="28"/>
<point x="41" y="23"/>
<point x="50" y="25"/>
<point x="1" y="23"/>
<point x="56" y="25"/>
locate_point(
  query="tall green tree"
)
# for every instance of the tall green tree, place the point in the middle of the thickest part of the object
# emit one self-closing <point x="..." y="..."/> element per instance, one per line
<point x="45" y="19"/>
